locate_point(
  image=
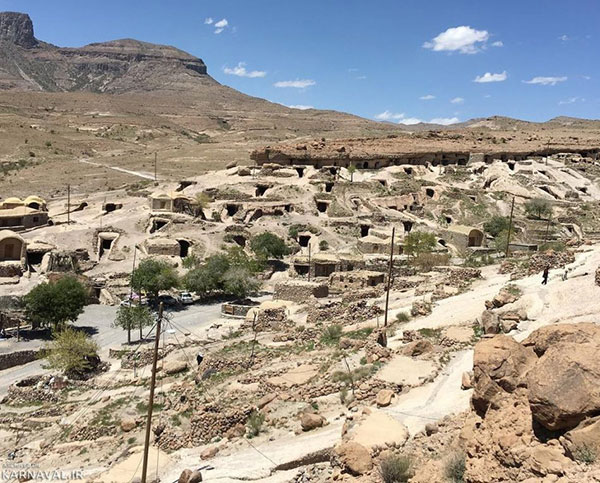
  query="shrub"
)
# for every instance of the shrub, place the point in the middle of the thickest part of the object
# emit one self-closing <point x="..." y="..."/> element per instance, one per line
<point x="395" y="469"/>
<point x="73" y="352"/>
<point x="496" y="225"/>
<point x="331" y="334"/>
<point x="323" y="245"/>
<point x="152" y="276"/>
<point x="254" y="423"/>
<point x="402" y="317"/>
<point x="455" y="468"/>
<point x="584" y="454"/>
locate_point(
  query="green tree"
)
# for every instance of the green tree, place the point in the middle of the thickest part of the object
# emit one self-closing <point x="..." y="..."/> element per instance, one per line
<point x="201" y="202"/>
<point x="55" y="303"/>
<point x="130" y="317"/>
<point x="496" y="224"/>
<point x="268" y="245"/>
<point x="73" y="352"/>
<point x="501" y="240"/>
<point x="239" y="281"/>
<point x="352" y="170"/>
<point x="417" y="242"/>
<point x="538" y="208"/>
<point x="152" y="276"/>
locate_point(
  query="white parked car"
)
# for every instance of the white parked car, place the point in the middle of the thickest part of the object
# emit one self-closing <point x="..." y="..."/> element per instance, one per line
<point x="186" y="298"/>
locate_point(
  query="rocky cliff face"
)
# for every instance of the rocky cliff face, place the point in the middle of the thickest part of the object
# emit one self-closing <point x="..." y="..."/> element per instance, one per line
<point x="17" y="28"/>
<point x="116" y="67"/>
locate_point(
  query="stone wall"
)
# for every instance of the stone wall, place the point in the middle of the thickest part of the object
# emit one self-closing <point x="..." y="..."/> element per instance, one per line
<point x="298" y="291"/>
<point x="19" y="358"/>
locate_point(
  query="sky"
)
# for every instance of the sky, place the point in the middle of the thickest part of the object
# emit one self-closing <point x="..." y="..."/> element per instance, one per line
<point x="397" y="61"/>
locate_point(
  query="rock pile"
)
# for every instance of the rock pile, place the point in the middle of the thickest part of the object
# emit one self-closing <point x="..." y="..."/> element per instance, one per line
<point x="536" y="263"/>
<point x="535" y="404"/>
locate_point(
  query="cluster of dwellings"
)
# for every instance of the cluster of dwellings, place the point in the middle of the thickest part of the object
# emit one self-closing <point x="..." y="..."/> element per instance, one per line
<point x="18" y="214"/>
<point x="174" y="202"/>
<point x="288" y="156"/>
<point x="13" y="253"/>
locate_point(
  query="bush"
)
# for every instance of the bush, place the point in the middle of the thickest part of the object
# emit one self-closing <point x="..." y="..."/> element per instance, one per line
<point x="73" y="352"/>
<point x="323" y="245"/>
<point x="269" y="245"/>
<point x="402" y="317"/>
<point x="254" y="424"/>
<point x="152" y="276"/>
<point x="331" y="334"/>
<point x="496" y="225"/>
<point x="55" y="303"/>
<point x="455" y="468"/>
<point x="395" y="469"/>
<point x="584" y="454"/>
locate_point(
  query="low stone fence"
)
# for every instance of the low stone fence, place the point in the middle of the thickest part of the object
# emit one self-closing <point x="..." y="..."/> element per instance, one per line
<point x="237" y="310"/>
<point x="19" y="358"/>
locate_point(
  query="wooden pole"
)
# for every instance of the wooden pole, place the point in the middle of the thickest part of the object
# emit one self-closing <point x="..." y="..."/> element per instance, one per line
<point x="68" y="204"/>
<point x="131" y="294"/>
<point x="547" y="231"/>
<point x="309" y="261"/>
<point x="389" y="281"/>
<point x="510" y="222"/>
<point x="151" y="400"/>
<point x="155" y="159"/>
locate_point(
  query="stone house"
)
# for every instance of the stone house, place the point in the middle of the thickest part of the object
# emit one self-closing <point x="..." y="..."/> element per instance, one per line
<point x="13" y="254"/>
<point x="357" y="280"/>
<point x="20" y="214"/>
<point x="462" y="236"/>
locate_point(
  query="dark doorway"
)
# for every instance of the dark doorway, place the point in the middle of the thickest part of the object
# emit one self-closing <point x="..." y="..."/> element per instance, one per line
<point x="261" y="189"/>
<point x="407" y="226"/>
<point x="302" y="269"/>
<point x="35" y="258"/>
<point x="322" y="206"/>
<point x="157" y="225"/>
<point x="300" y="172"/>
<point x="324" y="269"/>
<point x="231" y="209"/>
<point x="328" y="187"/>
<point x="240" y="240"/>
<point x="364" y="230"/>
<point x="108" y="207"/>
<point x="429" y="192"/>
<point x="304" y="240"/>
<point x="184" y="248"/>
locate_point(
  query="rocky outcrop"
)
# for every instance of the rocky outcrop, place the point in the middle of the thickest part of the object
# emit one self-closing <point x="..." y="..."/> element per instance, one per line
<point x="17" y="28"/>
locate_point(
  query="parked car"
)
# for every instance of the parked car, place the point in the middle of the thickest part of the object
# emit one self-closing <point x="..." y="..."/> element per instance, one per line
<point x="186" y="298"/>
<point x="168" y="301"/>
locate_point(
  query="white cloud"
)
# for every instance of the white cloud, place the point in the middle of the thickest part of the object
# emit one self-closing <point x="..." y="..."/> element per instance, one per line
<point x="546" y="81"/>
<point x="498" y="43"/>
<point x="463" y="39"/>
<point x="298" y="83"/>
<point x="208" y="21"/>
<point x="457" y="100"/>
<point x="361" y="77"/>
<point x="240" y="71"/>
<point x="446" y="121"/>
<point x="489" y="77"/>
<point x="409" y="121"/>
<point x="220" y="25"/>
<point x="301" y="107"/>
<point x="564" y="38"/>
<point x="586" y="77"/>
<point x="388" y="116"/>
<point x="571" y="100"/>
<point x="428" y="97"/>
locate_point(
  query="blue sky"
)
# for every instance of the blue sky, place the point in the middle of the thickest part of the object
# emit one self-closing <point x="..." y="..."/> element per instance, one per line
<point x="400" y="61"/>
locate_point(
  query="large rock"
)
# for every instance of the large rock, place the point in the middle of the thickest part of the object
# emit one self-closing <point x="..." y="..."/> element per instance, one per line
<point x="128" y="424"/>
<point x="384" y="398"/>
<point x="490" y="322"/>
<point x="310" y="421"/>
<point x="545" y="460"/>
<point x="17" y="28"/>
<point x="175" y="367"/>
<point x="564" y="386"/>
<point x="354" y="457"/>
<point x="585" y="436"/>
<point x="417" y="347"/>
<point x="500" y="365"/>
<point x="551" y="335"/>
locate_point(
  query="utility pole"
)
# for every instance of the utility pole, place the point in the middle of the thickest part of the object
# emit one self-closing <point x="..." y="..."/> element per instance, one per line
<point x="547" y="231"/>
<point x="389" y="281"/>
<point x="131" y="294"/>
<point x="155" y="158"/>
<point x="309" y="261"/>
<point x="151" y="401"/>
<point x="68" y="204"/>
<point x="510" y="222"/>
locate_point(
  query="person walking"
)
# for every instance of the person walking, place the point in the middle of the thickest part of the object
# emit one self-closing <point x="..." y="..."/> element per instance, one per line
<point x="545" y="275"/>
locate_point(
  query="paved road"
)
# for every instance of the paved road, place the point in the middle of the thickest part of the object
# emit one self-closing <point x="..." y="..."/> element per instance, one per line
<point x="98" y="319"/>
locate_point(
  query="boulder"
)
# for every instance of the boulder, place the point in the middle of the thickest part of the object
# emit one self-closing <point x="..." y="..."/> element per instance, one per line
<point x="585" y="436"/>
<point x="175" y="367"/>
<point x="128" y="424"/>
<point x="500" y="365"/>
<point x="467" y="380"/>
<point x="231" y="164"/>
<point x="431" y="428"/>
<point x="310" y="421"/>
<point x="547" y="460"/>
<point x="244" y="171"/>
<point x="209" y="453"/>
<point x="196" y="477"/>
<point x="417" y="347"/>
<point x="564" y="386"/>
<point x="490" y="322"/>
<point x="551" y="335"/>
<point x="354" y="457"/>
<point x="266" y="399"/>
<point x="384" y="398"/>
<point x="184" y="477"/>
